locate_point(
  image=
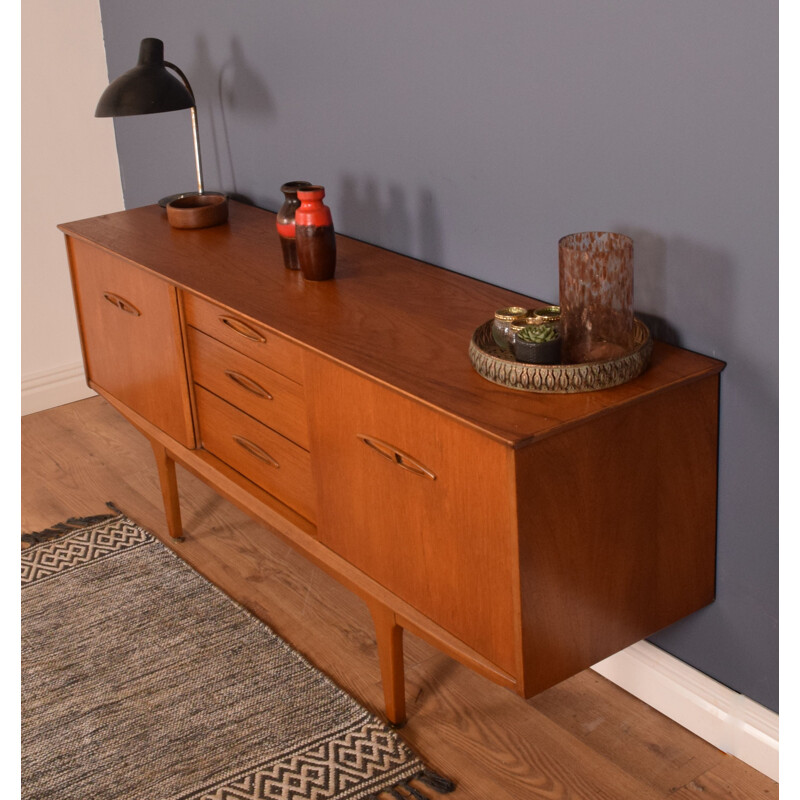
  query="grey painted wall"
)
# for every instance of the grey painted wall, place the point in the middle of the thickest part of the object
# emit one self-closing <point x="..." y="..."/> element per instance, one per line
<point x="473" y="135"/>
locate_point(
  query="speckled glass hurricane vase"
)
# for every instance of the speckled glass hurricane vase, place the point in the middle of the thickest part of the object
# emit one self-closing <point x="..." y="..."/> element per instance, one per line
<point x="595" y="271"/>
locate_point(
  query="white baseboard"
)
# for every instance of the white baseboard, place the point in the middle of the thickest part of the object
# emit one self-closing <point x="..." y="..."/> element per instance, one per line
<point x="724" y="718"/>
<point x="54" y="387"/>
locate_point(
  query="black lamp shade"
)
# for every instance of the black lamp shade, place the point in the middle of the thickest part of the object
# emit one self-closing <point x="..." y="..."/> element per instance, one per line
<point x="148" y="88"/>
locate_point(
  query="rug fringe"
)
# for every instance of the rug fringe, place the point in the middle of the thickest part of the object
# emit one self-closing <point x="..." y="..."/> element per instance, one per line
<point x="431" y="779"/>
<point x="441" y="784"/>
<point x="110" y="504"/>
<point x="68" y="526"/>
<point x="412" y="792"/>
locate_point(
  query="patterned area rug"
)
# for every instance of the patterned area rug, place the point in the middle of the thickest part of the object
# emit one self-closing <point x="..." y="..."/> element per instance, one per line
<point x="143" y="681"/>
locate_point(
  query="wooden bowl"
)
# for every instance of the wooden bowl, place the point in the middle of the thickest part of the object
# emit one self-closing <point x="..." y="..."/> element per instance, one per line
<point x="198" y="211"/>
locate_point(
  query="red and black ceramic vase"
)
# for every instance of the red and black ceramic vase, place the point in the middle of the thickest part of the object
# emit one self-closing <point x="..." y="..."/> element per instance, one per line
<point x="314" y="235"/>
<point x="286" y="222"/>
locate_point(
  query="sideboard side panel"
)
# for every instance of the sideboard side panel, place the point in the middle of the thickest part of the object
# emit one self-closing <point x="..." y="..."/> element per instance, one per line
<point x="618" y="530"/>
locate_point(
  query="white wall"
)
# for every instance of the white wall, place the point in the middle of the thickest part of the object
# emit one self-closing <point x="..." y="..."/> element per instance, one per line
<point x="69" y="171"/>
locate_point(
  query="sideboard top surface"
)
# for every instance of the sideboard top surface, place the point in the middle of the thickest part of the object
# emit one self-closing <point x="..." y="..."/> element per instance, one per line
<point x="403" y="322"/>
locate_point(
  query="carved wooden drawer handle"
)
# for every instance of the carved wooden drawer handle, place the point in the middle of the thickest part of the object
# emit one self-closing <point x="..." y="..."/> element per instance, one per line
<point x="242" y="329"/>
<point x="122" y="304"/>
<point x="396" y="456"/>
<point x="248" y="383"/>
<point x="256" y="451"/>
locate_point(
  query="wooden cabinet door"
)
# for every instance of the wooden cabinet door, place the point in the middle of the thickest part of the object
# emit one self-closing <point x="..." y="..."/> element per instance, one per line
<point x="131" y="337"/>
<point x="418" y="501"/>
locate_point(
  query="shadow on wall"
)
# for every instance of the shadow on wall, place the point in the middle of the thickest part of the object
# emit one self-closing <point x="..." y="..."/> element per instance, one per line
<point x="238" y="88"/>
<point x="677" y="273"/>
<point x="385" y="218"/>
<point x="649" y="279"/>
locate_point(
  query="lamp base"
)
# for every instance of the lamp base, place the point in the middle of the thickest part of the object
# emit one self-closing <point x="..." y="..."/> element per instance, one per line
<point x="164" y="200"/>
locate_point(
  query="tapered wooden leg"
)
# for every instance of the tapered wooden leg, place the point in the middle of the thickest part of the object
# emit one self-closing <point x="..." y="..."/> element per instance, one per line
<point x="169" y="490"/>
<point x="390" y="654"/>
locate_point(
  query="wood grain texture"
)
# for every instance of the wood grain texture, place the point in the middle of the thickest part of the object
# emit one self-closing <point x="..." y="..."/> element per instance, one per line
<point x="300" y="534"/>
<point x="734" y="782"/>
<point x="443" y="543"/>
<point x="169" y="489"/>
<point x="537" y="760"/>
<point x="540" y="553"/>
<point x="612" y="723"/>
<point x="618" y="538"/>
<point x="584" y="738"/>
<point x="270" y="460"/>
<point x="259" y="391"/>
<point x="527" y="535"/>
<point x="246" y="336"/>
<point x="414" y="321"/>
<point x="389" y="640"/>
<point x="132" y="344"/>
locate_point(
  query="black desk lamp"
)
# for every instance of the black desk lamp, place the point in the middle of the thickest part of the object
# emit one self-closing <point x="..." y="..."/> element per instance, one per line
<point x="150" y="88"/>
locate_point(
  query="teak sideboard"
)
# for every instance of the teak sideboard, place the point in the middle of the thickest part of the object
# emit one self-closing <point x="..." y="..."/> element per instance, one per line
<point x="527" y="535"/>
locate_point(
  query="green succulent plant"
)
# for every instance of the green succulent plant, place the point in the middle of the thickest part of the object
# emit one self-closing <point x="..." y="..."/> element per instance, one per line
<point x="537" y="334"/>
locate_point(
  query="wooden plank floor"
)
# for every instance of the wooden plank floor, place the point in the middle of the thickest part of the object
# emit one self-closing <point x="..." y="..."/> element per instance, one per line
<point x="585" y="738"/>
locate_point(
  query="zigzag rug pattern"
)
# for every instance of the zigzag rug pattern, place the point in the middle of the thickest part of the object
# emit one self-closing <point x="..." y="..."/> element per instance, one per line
<point x="83" y="546"/>
<point x="333" y="769"/>
<point x="142" y="680"/>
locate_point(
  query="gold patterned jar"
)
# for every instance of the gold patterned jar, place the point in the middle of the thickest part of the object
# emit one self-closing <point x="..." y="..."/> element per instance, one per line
<point x="501" y="327"/>
<point x="544" y="314"/>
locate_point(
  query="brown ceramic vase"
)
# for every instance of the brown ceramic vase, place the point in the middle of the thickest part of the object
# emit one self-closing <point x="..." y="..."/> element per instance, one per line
<point x="314" y="235"/>
<point x="285" y="222"/>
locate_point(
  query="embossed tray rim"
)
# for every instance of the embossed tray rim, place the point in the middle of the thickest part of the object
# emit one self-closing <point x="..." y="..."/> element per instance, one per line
<point x="500" y="367"/>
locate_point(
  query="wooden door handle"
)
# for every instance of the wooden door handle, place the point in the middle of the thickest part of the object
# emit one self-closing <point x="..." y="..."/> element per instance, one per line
<point x="248" y="383"/>
<point x="396" y="456"/>
<point x="242" y="328"/>
<point x="256" y="451"/>
<point x="122" y="304"/>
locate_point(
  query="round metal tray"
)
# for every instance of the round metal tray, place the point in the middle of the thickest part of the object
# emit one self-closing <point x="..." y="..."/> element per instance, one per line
<point x="501" y="367"/>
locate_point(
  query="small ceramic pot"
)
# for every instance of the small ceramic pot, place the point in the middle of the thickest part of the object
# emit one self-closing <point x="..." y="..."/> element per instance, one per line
<point x="537" y="352"/>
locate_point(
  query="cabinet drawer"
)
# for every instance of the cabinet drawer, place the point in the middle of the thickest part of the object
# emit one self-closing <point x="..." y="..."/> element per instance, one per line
<point x="420" y="503"/>
<point x="268" y="459"/>
<point x="258" y="390"/>
<point x="131" y="337"/>
<point x="246" y="336"/>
